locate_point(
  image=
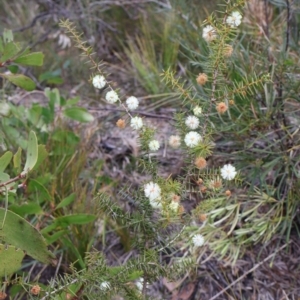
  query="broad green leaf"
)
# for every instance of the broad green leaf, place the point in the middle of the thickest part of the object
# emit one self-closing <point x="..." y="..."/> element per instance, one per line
<point x="72" y="101"/>
<point x="50" y="239"/>
<point x="53" y="96"/>
<point x="18" y="232"/>
<point x="17" y="159"/>
<point x="26" y="209"/>
<point x="37" y="187"/>
<point x="11" y="260"/>
<point x="48" y="229"/>
<point x="76" y="219"/>
<point x="34" y="114"/>
<point x="15" y="135"/>
<point x="78" y="114"/>
<point x="20" y="80"/>
<point x="42" y="154"/>
<point x="32" y="153"/>
<point x="50" y="74"/>
<point x="4" y="177"/>
<point x="9" y="51"/>
<point x="31" y="59"/>
<point x="55" y="80"/>
<point x="66" y="201"/>
<point x="13" y="68"/>
<point x="5" y="160"/>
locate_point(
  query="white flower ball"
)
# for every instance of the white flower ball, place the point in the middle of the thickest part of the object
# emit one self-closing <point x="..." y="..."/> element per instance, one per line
<point x="197" y="111"/>
<point x="99" y="82"/>
<point x="152" y="190"/>
<point x="154" y="145"/>
<point x="136" y="123"/>
<point x="111" y="97"/>
<point x="198" y="240"/>
<point x="192" y="122"/>
<point x="228" y="172"/>
<point x="234" y="20"/>
<point x="209" y="33"/>
<point x="132" y="103"/>
<point x="192" y="139"/>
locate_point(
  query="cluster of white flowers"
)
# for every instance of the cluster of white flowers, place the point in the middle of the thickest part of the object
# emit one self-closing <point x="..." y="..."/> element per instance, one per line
<point x="192" y="122"/>
<point x="192" y="139"/>
<point x="174" y="141"/>
<point x="228" y="172"/>
<point x="234" y="20"/>
<point x="99" y="82"/>
<point x="197" y="111"/>
<point x="153" y="193"/>
<point x="154" y="145"/>
<point x="132" y="103"/>
<point x="105" y="285"/>
<point x="111" y="97"/>
<point x="136" y="123"/>
<point x="209" y="33"/>
<point x="198" y="240"/>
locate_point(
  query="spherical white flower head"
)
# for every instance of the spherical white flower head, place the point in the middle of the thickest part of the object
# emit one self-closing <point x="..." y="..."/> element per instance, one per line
<point x="197" y="111"/>
<point x="192" y="139"/>
<point x="234" y="20"/>
<point x="174" y="206"/>
<point x="154" y="145"/>
<point x="152" y="190"/>
<point x="132" y="103"/>
<point x="136" y="123"/>
<point x="111" y="97"/>
<point x="198" y="240"/>
<point x="228" y="172"/>
<point x="192" y="122"/>
<point x="105" y="285"/>
<point x="209" y="33"/>
<point x="99" y="82"/>
<point x="174" y="141"/>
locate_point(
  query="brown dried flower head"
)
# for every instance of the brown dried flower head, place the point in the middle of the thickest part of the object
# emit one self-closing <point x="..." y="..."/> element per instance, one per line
<point x="175" y="198"/>
<point x="228" y="193"/>
<point x="121" y="123"/>
<point x="2" y="295"/>
<point x="228" y="50"/>
<point x="200" y="163"/>
<point x="202" y="78"/>
<point x="203" y="189"/>
<point x="35" y="290"/>
<point x="202" y="217"/>
<point x="221" y="107"/>
<point x="199" y="181"/>
<point x="231" y="102"/>
<point x="216" y="183"/>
